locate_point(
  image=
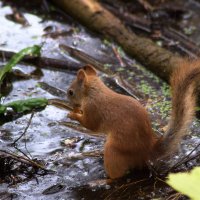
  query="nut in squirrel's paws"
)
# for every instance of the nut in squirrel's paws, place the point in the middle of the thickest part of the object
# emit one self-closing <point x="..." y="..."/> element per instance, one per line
<point x="77" y="111"/>
<point x="75" y="115"/>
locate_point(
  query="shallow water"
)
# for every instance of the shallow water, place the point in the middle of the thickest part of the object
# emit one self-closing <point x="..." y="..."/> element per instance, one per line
<point x="45" y="136"/>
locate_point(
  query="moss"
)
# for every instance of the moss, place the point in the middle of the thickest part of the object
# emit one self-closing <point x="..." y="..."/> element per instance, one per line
<point x="107" y="66"/>
<point x="120" y="69"/>
<point x="107" y="42"/>
<point x="146" y="88"/>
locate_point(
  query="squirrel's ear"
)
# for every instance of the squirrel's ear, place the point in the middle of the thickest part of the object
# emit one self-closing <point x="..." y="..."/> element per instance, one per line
<point x="90" y="70"/>
<point x="81" y="76"/>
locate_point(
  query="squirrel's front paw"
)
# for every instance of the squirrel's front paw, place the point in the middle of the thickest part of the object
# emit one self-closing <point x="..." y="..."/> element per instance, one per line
<point x="71" y="115"/>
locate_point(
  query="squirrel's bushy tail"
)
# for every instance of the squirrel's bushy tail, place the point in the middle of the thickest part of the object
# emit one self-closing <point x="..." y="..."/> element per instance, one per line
<point x="184" y="83"/>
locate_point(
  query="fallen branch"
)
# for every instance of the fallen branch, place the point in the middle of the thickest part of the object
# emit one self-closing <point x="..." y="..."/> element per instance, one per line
<point x="44" y="62"/>
<point x="94" y="16"/>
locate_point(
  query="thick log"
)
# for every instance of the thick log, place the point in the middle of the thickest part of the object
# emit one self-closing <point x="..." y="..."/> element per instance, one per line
<point x="90" y="13"/>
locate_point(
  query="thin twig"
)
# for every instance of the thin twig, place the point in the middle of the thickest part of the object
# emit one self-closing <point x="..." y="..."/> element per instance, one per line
<point x="60" y="104"/>
<point x="24" y="160"/>
<point x="184" y="159"/>
<point x="124" y="186"/>
<point x="23" y="152"/>
<point x="24" y="134"/>
<point x="126" y="86"/>
<point x="25" y="130"/>
<point x="118" y="56"/>
<point x="189" y="159"/>
<point x="146" y="5"/>
<point x="174" y="196"/>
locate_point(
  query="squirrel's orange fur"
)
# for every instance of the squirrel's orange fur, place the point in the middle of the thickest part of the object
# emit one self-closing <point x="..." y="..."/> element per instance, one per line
<point x="130" y="141"/>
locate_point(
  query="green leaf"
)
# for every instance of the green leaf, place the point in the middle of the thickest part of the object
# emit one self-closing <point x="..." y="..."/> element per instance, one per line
<point x="27" y="105"/>
<point x="20" y="108"/>
<point x="23" y="106"/>
<point x="33" y="51"/>
<point x="186" y="183"/>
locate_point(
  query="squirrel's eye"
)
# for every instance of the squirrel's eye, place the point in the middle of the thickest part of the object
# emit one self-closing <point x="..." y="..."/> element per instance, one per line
<point x="70" y="92"/>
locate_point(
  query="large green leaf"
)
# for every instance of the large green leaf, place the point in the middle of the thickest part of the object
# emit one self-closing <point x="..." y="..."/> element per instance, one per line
<point x="34" y="50"/>
<point x="22" y="106"/>
<point x="187" y="183"/>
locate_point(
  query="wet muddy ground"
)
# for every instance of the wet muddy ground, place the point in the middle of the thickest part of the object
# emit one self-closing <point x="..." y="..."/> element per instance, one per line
<point x="63" y="149"/>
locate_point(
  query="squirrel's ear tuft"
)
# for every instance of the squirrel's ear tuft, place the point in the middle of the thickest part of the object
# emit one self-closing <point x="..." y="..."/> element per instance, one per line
<point x="81" y="76"/>
<point x="90" y="70"/>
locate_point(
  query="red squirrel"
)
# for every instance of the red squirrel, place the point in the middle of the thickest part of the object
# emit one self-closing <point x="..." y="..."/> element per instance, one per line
<point x="130" y="141"/>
